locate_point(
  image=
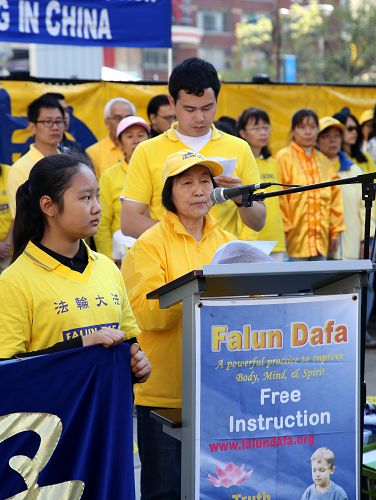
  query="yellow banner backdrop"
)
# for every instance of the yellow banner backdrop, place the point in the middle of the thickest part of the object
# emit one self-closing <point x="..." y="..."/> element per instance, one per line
<point x="87" y="101"/>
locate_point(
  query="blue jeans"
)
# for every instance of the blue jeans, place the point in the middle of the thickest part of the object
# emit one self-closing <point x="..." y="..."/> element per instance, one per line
<point x="160" y="456"/>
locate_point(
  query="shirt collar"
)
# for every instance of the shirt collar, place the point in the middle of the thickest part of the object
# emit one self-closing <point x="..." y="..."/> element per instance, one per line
<point x="49" y="259"/>
<point x="301" y="150"/>
<point x="174" y="222"/>
<point x="170" y="133"/>
<point x="111" y="143"/>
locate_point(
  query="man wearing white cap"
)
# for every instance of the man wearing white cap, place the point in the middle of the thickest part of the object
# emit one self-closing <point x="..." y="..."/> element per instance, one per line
<point x="130" y="131"/>
<point x="106" y="152"/>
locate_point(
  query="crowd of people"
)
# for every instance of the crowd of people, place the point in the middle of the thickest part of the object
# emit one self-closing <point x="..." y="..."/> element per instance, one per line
<point x="155" y="221"/>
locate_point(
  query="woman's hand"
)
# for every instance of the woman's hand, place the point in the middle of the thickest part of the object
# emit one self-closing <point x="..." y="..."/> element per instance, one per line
<point x="140" y="365"/>
<point x="107" y="337"/>
<point x="334" y="245"/>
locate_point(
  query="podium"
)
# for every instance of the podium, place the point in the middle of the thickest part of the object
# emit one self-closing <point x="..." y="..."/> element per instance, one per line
<point x="322" y="370"/>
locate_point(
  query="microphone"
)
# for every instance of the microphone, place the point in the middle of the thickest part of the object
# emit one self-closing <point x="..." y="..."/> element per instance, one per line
<point x="220" y="195"/>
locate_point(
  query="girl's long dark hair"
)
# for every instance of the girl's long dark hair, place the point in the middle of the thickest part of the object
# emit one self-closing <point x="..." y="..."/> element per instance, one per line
<point x="51" y="176"/>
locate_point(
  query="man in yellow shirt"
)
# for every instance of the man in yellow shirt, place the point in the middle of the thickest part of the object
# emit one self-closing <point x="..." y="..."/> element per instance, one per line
<point x="46" y="123"/>
<point x="194" y="87"/>
<point x="106" y="152"/>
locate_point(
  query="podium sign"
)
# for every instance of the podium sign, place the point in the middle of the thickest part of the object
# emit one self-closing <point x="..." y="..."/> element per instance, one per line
<point x="276" y="380"/>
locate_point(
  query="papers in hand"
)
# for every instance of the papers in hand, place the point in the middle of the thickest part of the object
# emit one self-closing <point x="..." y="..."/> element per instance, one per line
<point x="238" y="251"/>
<point x="120" y="243"/>
<point x="228" y="164"/>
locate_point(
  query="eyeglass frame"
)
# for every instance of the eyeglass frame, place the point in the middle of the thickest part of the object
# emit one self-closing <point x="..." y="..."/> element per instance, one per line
<point x="58" y="123"/>
<point x="265" y="128"/>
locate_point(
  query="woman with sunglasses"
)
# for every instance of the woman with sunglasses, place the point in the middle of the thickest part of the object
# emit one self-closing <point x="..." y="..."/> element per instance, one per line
<point x="353" y="141"/>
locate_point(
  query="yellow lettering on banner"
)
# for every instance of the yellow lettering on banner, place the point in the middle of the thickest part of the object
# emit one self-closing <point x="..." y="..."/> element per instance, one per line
<point x="245" y="340"/>
<point x="317" y="335"/>
<point x="218" y="337"/>
<point x="49" y="428"/>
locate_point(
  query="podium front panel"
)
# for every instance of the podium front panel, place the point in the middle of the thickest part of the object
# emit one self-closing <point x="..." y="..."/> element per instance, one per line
<point x="276" y="384"/>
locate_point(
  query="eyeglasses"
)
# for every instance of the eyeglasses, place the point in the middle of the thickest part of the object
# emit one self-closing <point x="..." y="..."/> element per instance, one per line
<point x="168" y="118"/>
<point x="351" y="128"/>
<point x="117" y="118"/>
<point x="264" y="128"/>
<point x="51" y="123"/>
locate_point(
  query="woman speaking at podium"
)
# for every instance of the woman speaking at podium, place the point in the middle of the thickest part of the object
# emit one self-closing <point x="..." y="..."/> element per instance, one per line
<point x="185" y="239"/>
<point x="57" y="293"/>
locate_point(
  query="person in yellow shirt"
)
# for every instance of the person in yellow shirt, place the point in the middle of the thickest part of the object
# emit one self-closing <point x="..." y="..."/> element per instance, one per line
<point x="185" y="239"/>
<point x="130" y="132"/>
<point x="194" y="87"/>
<point x="5" y="220"/>
<point x="107" y="152"/>
<point x="57" y="293"/>
<point x="254" y="127"/>
<point x="329" y="142"/>
<point x="352" y="143"/>
<point x="46" y="123"/>
<point x="366" y="126"/>
<point x="313" y="220"/>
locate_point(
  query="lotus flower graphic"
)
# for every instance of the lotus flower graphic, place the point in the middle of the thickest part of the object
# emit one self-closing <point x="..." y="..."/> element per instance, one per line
<point x="229" y="476"/>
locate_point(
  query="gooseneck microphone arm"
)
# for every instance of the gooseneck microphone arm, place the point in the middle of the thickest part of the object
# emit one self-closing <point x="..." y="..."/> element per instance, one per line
<point x="368" y="195"/>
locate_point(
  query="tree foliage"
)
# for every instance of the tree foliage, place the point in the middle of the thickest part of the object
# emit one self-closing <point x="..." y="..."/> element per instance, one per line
<point x="331" y="44"/>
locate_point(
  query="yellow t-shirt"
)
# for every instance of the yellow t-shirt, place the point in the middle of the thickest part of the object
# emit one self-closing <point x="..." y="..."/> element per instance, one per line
<point x="19" y="173"/>
<point x="144" y="176"/>
<point x="273" y="229"/>
<point x="111" y="184"/>
<point x="354" y="213"/>
<point x="44" y="302"/>
<point x="367" y="166"/>
<point x="5" y="216"/>
<point x="104" y="154"/>
<point x="162" y="253"/>
<point x="311" y="218"/>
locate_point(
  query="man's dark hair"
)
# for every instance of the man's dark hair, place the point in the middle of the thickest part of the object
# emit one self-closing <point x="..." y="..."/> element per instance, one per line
<point x="193" y="75"/>
<point x="155" y="103"/>
<point x="34" y="107"/>
<point x="55" y="95"/>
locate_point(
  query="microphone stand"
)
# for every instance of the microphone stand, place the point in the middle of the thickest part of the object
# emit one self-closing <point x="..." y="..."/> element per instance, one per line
<point x="368" y="195"/>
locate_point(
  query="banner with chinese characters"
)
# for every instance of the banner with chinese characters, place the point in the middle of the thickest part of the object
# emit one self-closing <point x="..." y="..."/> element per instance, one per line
<point x="279" y="400"/>
<point x="116" y="23"/>
<point x="66" y="426"/>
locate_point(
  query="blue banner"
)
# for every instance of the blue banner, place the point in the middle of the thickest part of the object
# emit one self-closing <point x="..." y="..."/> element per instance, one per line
<point x="279" y="402"/>
<point x="66" y="426"/>
<point x="116" y="23"/>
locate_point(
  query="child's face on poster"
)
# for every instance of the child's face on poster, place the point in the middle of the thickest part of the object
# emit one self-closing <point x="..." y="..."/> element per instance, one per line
<point x="321" y="472"/>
